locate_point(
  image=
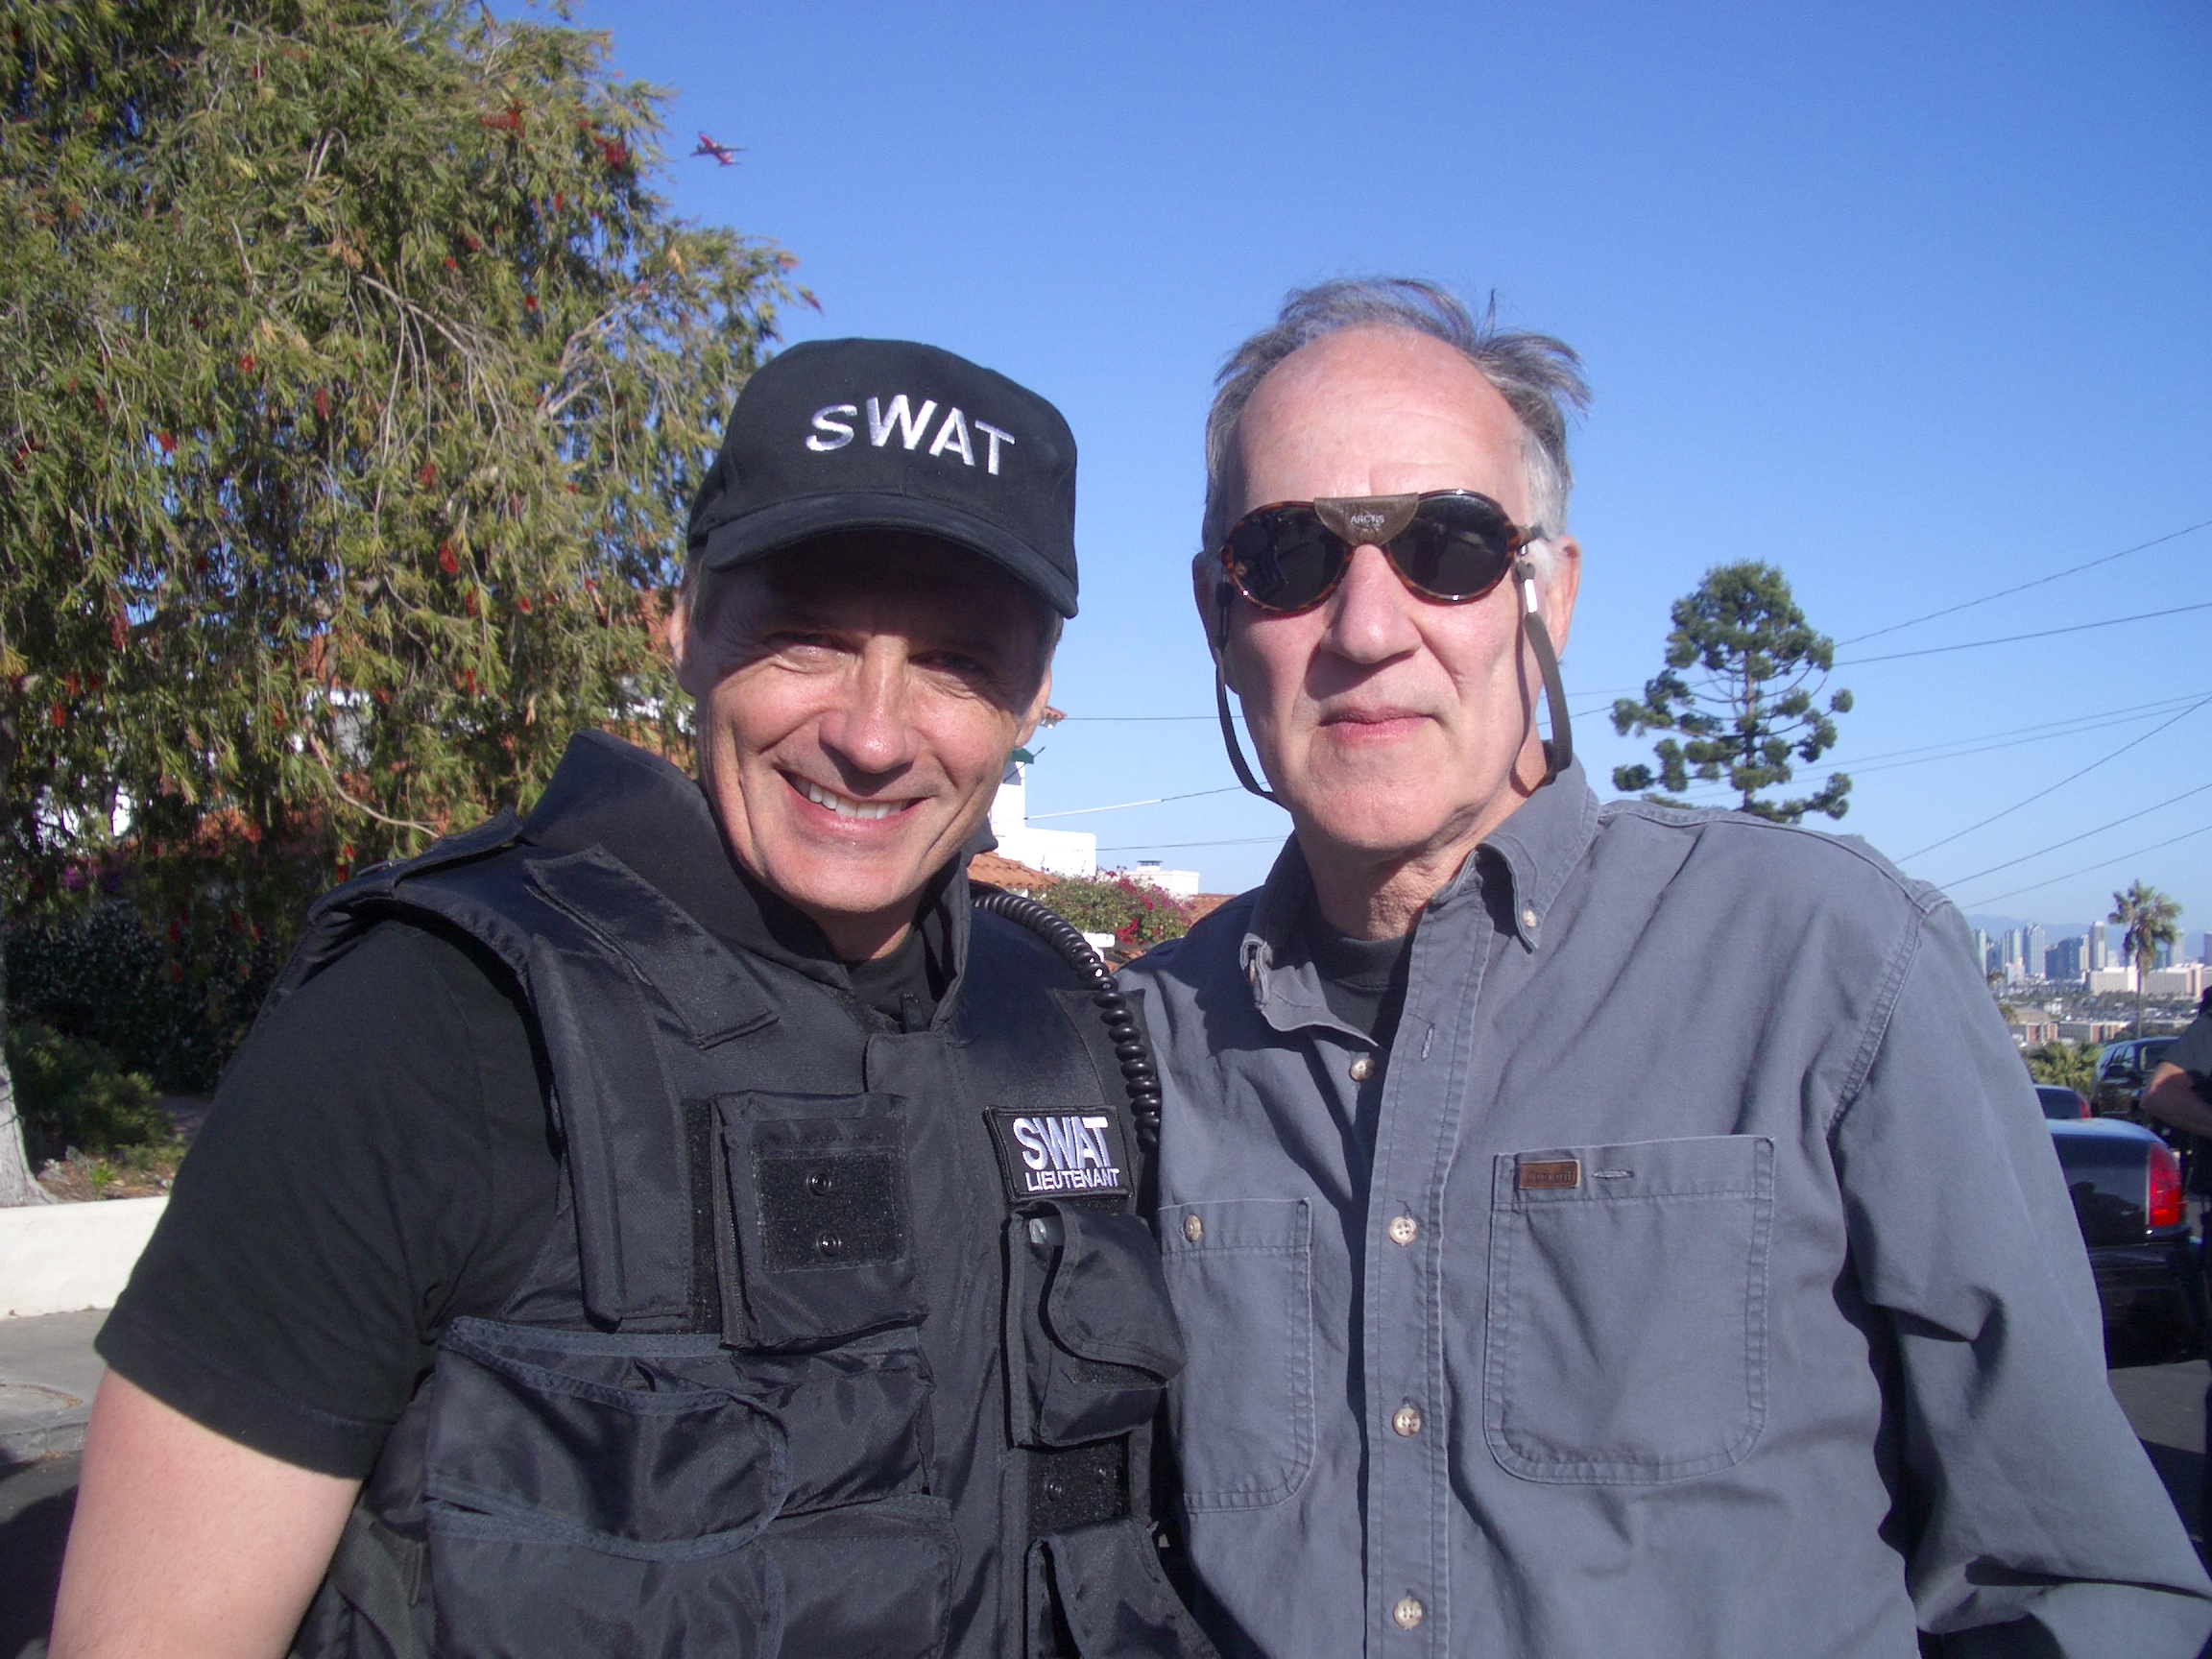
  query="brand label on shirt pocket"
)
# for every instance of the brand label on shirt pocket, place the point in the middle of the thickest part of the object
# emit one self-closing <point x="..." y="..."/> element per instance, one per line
<point x="1627" y="1331"/>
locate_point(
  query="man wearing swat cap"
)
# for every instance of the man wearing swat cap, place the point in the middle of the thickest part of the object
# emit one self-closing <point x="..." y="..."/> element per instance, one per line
<point x="629" y="1228"/>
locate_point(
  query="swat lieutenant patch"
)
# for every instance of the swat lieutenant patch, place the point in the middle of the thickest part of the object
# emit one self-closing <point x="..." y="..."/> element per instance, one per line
<point x="1060" y="1155"/>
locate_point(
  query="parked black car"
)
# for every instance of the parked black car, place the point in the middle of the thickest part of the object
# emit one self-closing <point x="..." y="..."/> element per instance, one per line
<point x="2061" y="1104"/>
<point x="2122" y="1070"/>
<point x="2126" y="1188"/>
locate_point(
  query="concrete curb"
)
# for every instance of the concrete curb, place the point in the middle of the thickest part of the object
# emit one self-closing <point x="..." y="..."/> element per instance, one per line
<point x="49" y="1372"/>
<point x="59" y="1258"/>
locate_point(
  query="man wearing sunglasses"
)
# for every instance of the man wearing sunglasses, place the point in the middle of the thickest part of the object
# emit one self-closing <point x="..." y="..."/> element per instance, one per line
<point x="1598" y="1229"/>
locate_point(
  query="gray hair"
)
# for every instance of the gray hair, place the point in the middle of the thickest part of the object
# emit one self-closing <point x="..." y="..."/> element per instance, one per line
<point x="1539" y="377"/>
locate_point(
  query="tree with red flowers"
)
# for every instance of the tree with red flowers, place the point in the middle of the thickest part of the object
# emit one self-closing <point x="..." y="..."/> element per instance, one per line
<point x="354" y="383"/>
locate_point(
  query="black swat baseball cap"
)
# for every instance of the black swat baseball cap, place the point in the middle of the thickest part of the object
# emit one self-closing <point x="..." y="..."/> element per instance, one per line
<point x="887" y="433"/>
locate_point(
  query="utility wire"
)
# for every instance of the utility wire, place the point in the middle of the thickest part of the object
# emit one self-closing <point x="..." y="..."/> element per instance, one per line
<point x="2091" y="869"/>
<point x="1928" y="753"/>
<point x="1124" y="805"/>
<point x="1178" y="845"/>
<point x="2014" y="638"/>
<point x="2070" y="839"/>
<point x="2115" y="755"/>
<point x="2007" y="593"/>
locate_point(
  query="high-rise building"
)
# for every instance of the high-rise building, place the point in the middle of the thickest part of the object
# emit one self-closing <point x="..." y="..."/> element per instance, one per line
<point x="2100" y="946"/>
<point x="2068" y="960"/>
<point x="2165" y="953"/>
<point x="2010" y="952"/>
<point x="1982" y="949"/>
<point x="2033" y="945"/>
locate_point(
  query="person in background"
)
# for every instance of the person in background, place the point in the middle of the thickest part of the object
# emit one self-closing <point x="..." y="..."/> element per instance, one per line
<point x="1600" y="1226"/>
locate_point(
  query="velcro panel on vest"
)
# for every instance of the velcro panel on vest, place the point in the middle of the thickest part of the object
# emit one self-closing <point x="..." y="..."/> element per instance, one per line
<point x="822" y="1197"/>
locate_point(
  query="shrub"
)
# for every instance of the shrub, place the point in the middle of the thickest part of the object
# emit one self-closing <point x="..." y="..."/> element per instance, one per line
<point x="171" y="1003"/>
<point x="74" y="1097"/>
<point x="1139" y="915"/>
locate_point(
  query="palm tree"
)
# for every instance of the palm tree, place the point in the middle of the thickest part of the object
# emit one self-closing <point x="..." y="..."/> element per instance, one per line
<point x="2147" y="919"/>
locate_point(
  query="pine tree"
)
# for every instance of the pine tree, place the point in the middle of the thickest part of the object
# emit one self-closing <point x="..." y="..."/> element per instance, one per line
<point x="353" y="386"/>
<point x="1753" y="710"/>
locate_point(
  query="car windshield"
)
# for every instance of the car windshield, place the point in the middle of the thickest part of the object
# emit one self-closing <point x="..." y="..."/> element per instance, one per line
<point x="2059" y="1102"/>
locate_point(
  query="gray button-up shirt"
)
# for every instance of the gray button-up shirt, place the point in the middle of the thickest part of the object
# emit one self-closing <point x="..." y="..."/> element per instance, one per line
<point x="1710" y="1287"/>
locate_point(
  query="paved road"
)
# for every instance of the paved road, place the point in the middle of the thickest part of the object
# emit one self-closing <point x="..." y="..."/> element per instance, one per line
<point x="48" y="1372"/>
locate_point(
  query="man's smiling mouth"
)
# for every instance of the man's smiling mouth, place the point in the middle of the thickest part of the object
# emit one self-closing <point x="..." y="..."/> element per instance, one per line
<point x="846" y="808"/>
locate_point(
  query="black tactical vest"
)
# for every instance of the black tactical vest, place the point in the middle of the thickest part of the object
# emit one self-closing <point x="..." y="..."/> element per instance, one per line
<point x="841" y="1343"/>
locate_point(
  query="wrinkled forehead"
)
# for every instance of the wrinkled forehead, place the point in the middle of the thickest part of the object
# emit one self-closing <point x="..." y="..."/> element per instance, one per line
<point x="1379" y="412"/>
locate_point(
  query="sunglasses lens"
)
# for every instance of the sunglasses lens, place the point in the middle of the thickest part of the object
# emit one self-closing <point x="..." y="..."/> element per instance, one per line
<point x="1283" y="558"/>
<point x="1457" y="547"/>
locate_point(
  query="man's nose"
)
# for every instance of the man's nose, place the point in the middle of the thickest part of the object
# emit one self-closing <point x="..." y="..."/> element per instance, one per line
<point x="869" y="727"/>
<point x="1367" y="619"/>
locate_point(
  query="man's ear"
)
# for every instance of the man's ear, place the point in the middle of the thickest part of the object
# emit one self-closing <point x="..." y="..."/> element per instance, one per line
<point x="1206" y="594"/>
<point x="680" y="637"/>
<point x="1560" y="594"/>
<point x="1036" y="711"/>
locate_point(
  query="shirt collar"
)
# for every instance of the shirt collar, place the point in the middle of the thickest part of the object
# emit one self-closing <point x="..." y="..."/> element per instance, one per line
<point x="1537" y="848"/>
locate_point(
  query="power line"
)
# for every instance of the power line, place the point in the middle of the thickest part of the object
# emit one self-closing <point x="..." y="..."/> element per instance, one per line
<point x="2007" y="593"/>
<point x="2092" y="869"/>
<point x="2015" y="639"/>
<point x="1178" y="845"/>
<point x="2070" y="839"/>
<point x="1123" y="805"/>
<point x="2115" y="755"/>
<point x="1960" y="747"/>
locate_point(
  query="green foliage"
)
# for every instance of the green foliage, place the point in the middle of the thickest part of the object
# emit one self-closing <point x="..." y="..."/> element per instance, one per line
<point x="171" y="1000"/>
<point x="2070" y="1065"/>
<point x="1139" y="915"/>
<point x="1752" y="711"/>
<point x="353" y="385"/>
<point x="2147" y="919"/>
<point x="74" y="1096"/>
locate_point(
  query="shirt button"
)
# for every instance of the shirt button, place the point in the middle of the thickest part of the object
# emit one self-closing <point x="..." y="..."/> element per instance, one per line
<point x="1193" y="1229"/>
<point x="1406" y="1421"/>
<point x="1527" y="917"/>
<point x="1362" y="1067"/>
<point x="1408" y="1613"/>
<point x="1404" y="1228"/>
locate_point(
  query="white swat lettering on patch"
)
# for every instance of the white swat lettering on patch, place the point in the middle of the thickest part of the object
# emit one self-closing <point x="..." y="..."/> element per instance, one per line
<point x="1066" y="1153"/>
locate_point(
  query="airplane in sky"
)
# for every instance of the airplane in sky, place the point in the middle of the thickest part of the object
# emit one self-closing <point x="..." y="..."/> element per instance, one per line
<point x="726" y="154"/>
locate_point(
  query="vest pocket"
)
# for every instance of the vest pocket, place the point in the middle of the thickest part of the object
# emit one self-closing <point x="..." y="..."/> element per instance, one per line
<point x="582" y="1496"/>
<point x="1626" y="1327"/>
<point x="875" y="1579"/>
<point x="1088" y="1314"/>
<point x="635" y="1493"/>
<point x="820" y="1194"/>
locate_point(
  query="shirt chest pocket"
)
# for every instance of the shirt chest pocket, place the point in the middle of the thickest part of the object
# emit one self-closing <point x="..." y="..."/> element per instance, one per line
<point x="1626" y="1333"/>
<point x="1240" y="1272"/>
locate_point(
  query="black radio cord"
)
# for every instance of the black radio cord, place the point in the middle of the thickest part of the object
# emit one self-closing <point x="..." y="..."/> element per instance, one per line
<point x="1140" y="1075"/>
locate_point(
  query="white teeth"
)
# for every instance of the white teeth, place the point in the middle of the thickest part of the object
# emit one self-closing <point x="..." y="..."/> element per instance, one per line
<point x="843" y="807"/>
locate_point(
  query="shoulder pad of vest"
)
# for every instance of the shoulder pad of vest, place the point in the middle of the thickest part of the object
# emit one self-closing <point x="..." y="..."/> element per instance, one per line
<point x="502" y="830"/>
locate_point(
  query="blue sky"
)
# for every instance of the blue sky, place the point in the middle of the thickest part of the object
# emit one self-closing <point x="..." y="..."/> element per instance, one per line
<point x="1909" y="301"/>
